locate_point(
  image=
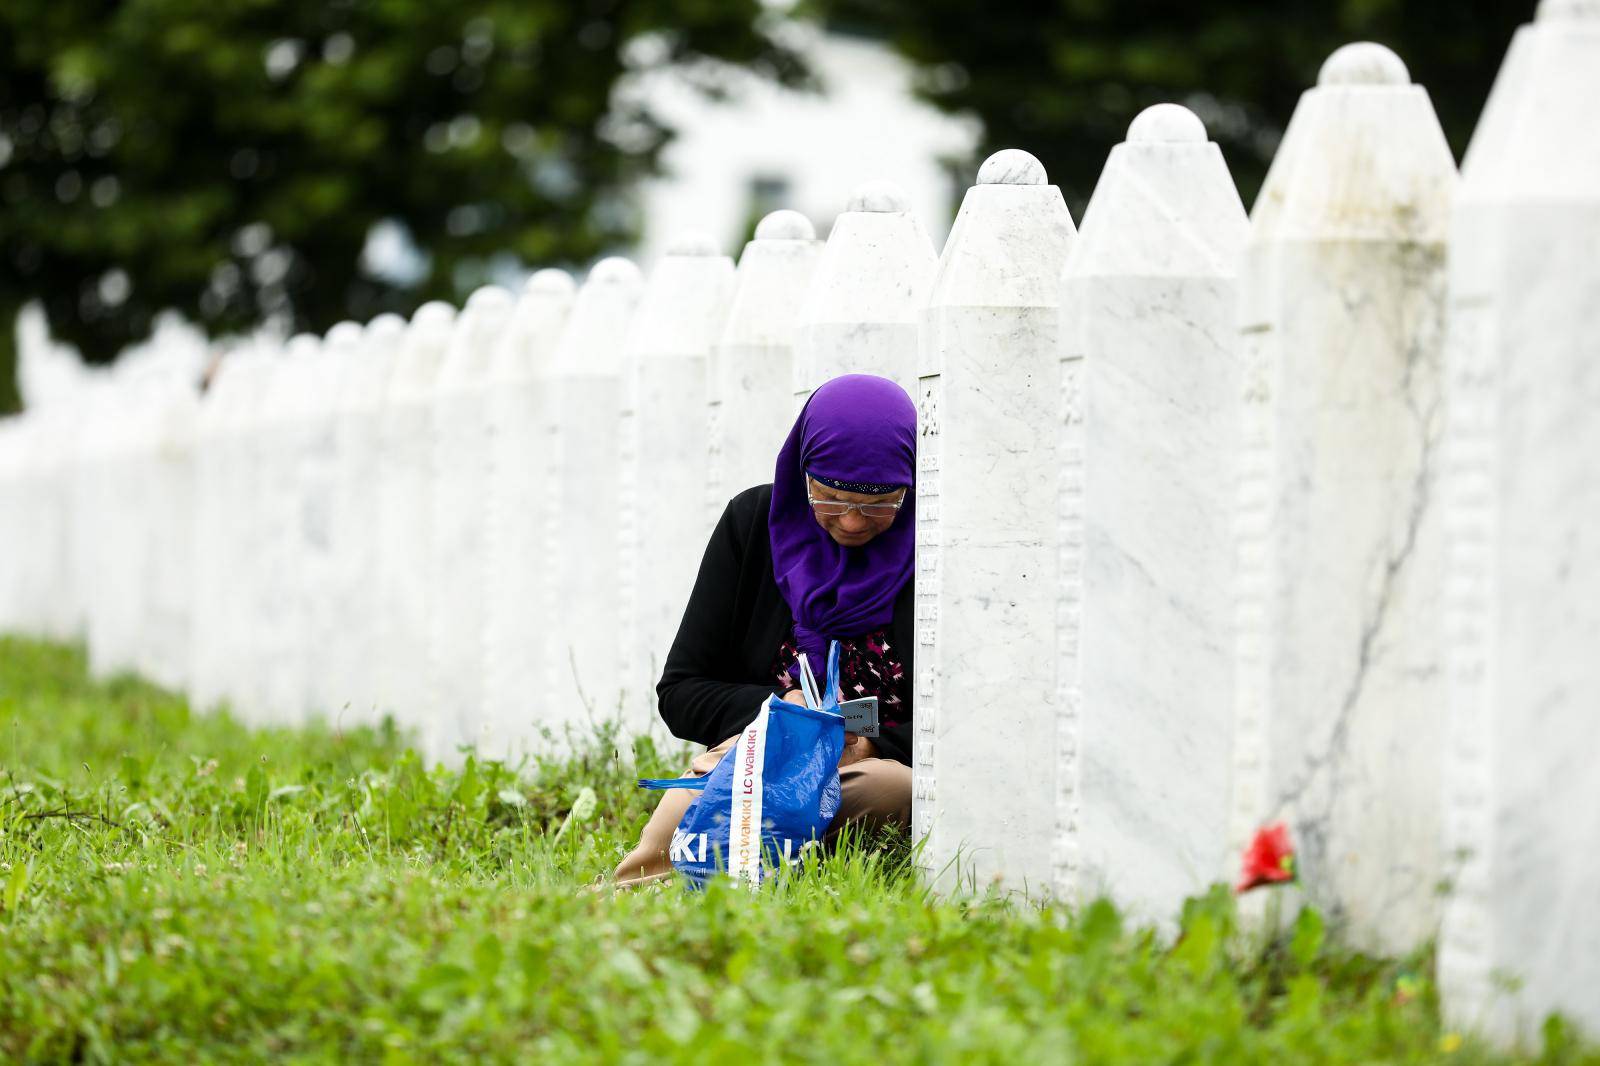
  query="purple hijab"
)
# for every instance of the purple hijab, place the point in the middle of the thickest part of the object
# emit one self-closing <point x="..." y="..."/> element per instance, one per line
<point x="855" y="429"/>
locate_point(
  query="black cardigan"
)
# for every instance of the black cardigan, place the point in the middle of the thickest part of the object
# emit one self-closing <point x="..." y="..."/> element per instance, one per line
<point x="719" y="669"/>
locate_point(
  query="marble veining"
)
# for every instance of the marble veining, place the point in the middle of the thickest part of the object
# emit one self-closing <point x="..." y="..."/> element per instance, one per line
<point x="1339" y="722"/>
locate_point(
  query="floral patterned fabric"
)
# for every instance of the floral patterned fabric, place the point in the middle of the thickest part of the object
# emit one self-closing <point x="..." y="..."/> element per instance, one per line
<point x="868" y="666"/>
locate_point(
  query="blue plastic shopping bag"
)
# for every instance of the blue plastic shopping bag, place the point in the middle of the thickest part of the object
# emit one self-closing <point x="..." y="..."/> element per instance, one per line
<point x="773" y="794"/>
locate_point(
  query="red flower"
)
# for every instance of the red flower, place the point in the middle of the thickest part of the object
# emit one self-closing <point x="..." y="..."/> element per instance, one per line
<point x="1268" y="860"/>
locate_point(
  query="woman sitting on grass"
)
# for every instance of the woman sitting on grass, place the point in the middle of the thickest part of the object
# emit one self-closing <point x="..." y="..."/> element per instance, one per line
<point x="823" y="553"/>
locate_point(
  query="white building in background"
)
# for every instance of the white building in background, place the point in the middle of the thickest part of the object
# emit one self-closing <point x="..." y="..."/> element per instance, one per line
<point x="766" y="147"/>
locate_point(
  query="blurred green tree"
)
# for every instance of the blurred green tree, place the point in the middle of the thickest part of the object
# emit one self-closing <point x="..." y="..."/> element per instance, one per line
<point x="231" y="158"/>
<point x="1064" y="78"/>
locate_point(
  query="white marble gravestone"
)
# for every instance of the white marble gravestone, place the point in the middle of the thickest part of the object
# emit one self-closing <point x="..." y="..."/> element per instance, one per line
<point x="12" y="526"/>
<point x="82" y="543"/>
<point x="168" y="502"/>
<point x="1150" y="288"/>
<point x="519" y="498"/>
<point x="226" y="530"/>
<point x="16" y="520"/>
<point x="276" y="579"/>
<point x="320" y="559"/>
<point x="460" y="487"/>
<point x="208" y="677"/>
<point x="114" y="631"/>
<point x="33" y="561"/>
<point x="405" y="515"/>
<point x="862" y="310"/>
<point x="53" y="384"/>
<point x="358" y="405"/>
<point x="43" y="506"/>
<point x="1521" y="930"/>
<point x="986" y="552"/>
<point x="664" y="525"/>
<point x="246" y="684"/>
<point x="83" y="547"/>
<point x="752" y="365"/>
<point x="579" y="550"/>
<point x="1339" y="717"/>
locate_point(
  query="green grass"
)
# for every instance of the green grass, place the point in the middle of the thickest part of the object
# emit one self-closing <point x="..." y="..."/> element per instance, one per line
<point x="180" y="887"/>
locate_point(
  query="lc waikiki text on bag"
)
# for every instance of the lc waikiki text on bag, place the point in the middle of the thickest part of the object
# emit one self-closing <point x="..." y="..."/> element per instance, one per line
<point x="773" y="794"/>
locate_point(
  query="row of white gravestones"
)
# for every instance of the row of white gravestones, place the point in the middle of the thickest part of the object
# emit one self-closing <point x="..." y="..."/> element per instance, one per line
<point x="425" y="517"/>
<point x="1078" y="425"/>
<point x="1252" y="550"/>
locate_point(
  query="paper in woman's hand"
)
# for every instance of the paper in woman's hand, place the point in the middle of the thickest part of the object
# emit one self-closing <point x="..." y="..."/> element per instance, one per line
<point x="860" y="716"/>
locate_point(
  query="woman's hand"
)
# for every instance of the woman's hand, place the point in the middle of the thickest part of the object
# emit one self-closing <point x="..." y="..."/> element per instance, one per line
<point x="857" y="748"/>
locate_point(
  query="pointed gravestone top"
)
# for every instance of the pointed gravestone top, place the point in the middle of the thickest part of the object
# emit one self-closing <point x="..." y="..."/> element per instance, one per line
<point x="1009" y="241"/>
<point x="550" y="282"/>
<point x="421" y="349"/>
<point x="534" y="327"/>
<point x="1165" y="205"/>
<point x="1363" y="157"/>
<point x="1531" y="142"/>
<point x="1575" y="10"/>
<point x="344" y="336"/>
<point x="591" y="343"/>
<point x="693" y="243"/>
<point x="433" y="316"/>
<point x="684" y="303"/>
<point x="1363" y="63"/>
<point x="879" y="198"/>
<point x="1167" y="124"/>
<point x="475" y="335"/>
<point x="1012" y="166"/>
<point x="386" y="328"/>
<point x="489" y="298"/>
<point x="785" y="226"/>
<point x="613" y="270"/>
<point x="772" y="275"/>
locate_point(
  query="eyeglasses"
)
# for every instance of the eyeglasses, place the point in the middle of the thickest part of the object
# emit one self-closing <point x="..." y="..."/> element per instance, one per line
<point x="835" y="508"/>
